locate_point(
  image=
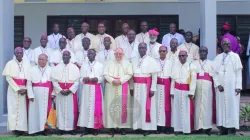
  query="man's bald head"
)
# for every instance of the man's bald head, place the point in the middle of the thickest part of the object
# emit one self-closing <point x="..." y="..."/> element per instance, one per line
<point x="19" y="53"/>
<point x="203" y="51"/>
<point x="42" y="60"/>
<point x="66" y="57"/>
<point x="119" y="53"/>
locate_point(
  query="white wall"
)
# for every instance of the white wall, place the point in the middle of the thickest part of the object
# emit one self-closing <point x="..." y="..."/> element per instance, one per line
<point x="189" y="12"/>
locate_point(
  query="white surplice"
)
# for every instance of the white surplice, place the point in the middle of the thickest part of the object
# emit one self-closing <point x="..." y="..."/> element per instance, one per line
<point x="56" y="57"/>
<point x="191" y="49"/>
<point x="144" y="67"/>
<point x="142" y="37"/>
<point x="181" y="103"/>
<point x="105" y="56"/>
<point x="16" y="103"/>
<point x="27" y="56"/>
<point x="87" y="107"/>
<point x="121" y="40"/>
<point x="168" y="37"/>
<point x="80" y="36"/>
<point x="65" y="104"/>
<point x="164" y="67"/>
<point x="97" y="42"/>
<point x="74" y="45"/>
<point x="39" y="108"/>
<point x="53" y="40"/>
<point x="228" y="74"/>
<point x="40" y="50"/>
<point x="81" y="57"/>
<point x="131" y="50"/>
<point x="203" y="96"/>
<point x="153" y="50"/>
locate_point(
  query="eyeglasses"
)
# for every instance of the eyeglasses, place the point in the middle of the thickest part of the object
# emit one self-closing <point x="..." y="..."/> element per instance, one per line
<point x="225" y="44"/>
<point x="161" y="51"/>
<point x="26" y="41"/>
<point x="182" y="55"/>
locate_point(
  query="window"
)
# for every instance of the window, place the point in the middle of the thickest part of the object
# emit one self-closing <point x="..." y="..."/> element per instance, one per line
<point x="18" y="30"/>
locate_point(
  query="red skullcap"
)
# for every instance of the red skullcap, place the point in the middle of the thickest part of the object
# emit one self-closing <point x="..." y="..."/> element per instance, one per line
<point x="226" y="26"/>
<point x="154" y="31"/>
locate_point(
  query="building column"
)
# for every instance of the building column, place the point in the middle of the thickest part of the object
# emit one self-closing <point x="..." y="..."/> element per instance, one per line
<point x="208" y="26"/>
<point x="6" y="49"/>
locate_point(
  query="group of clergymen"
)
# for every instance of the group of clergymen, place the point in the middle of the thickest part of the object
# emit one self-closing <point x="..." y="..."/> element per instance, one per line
<point x="128" y="82"/>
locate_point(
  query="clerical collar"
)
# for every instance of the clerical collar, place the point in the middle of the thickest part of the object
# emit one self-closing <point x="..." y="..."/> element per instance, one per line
<point x="131" y="42"/>
<point x="144" y="33"/>
<point x="55" y="34"/>
<point x="19" y="62"/>
<point x="92" y="62"/>
<point x="26" y="49"/>
<point x="174" y="52"/>
<point x="152" y="43"/>
<point x="42" y="68"/>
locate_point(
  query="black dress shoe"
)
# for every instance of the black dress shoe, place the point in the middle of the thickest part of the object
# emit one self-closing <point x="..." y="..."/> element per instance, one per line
<point x="159" y="130"/>
<point x="60" y="133"/>
<point x="223" y="131"/>
<point x="167" y="131"/>
<point x="86" y="132"/>
<point x="232" y="131"/>
<point x="112" y="132"/>
<point x="145" y="133"/>
<point x="72" y="133"/>
<point x="33" y="135"/>
<point x="178" y="133"/>
<point x="123" y="132"/>
<point x="95" y="132"/>
<point x="208" y="132"/>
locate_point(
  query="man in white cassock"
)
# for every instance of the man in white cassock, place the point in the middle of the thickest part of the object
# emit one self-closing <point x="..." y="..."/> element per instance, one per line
<point x="117" y="74"/>
<point x="72" y="44"/>
<point x="42" y="49"/>
<point x="172" y="55"/>
<point x="131" y="49"/>
<point x="27" y="51"/>
<point x="172" y="34"/>
<point x="65" y="77"/>
<point x="228" y="84"/>
<point x="91" y="110"/>
<point x="97" y="42"/>
<point x="153" y="46"/>
<point x="204" y="94"/>
<point x="163" y="98"/>
<point x="144" y="35"/>
<point x="39" y="88"/>
<point x="145" y="80"/>
<point x="16" y="72"/>
<point x="183" y="86"/>
<point x="190" y="47"/>
<point x="106" y="55"/>
<point x="85" y="33"/>
<point x="122" y="40"/>
<point x="53" y="39"/>
<point x="81" y="56"/>
<point x="56" y="55"/>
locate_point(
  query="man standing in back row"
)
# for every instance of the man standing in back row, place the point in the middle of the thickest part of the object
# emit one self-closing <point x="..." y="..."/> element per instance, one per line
<point x="98" y="40"/>
<point x="143" y="36"/>
<point x="173" y="34"/>
<point x="53" y="39"/>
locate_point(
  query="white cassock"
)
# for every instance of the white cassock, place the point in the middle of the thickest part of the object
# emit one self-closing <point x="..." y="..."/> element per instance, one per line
<point x="145" y="80"/>
<point x="204" y="96"/>
<point x="143" y="37"/>
<point x="40" y="88"/>
<point x="131" y="50"/>
<point x="105" y="56"/>
<point x="56" y="57"/>
<point x="16" y="76"/>
<point x="121" y="40"/>
<point x="81" y="57"/>
<point x="66" y="77"/>
<point x="192" y="51"/>
<point x="40" y="50"/>
<point x="98" y="40"/>
<point x="168" y="37"/>
<point x="163" y="99"/>
<point x="118" y="96"/>
<point x="153" y="50"/>
<point x="92" y="106"/>
<point x="173" y="56"/>
<point x="74" y="45"/>
<point x="180" y="88"/>
<point x="27" y="56"/>
<point x="228" y="74"/>
<point x="247" y="53"/>
<point x="53" y="40"/>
